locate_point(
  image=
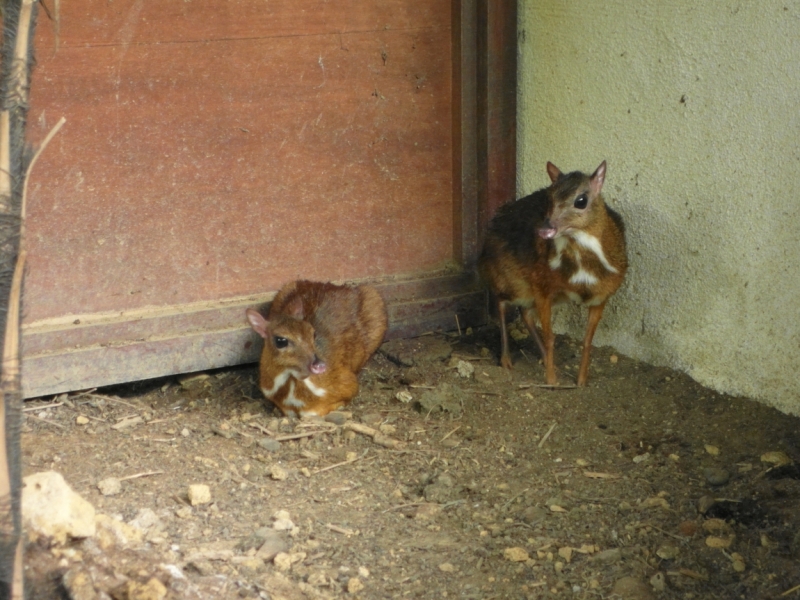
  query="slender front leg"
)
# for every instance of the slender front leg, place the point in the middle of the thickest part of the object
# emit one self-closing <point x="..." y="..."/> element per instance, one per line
<point x="505" y="356"/>
<point x="595" y="312"/>
<point x="548" y="337"/>
<point x="527" y="317"/>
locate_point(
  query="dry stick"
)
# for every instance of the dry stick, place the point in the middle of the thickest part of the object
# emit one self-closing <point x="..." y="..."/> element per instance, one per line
<point x="144" y="474"/>
<point x="447" y="435"/>
<point x="296" y="436"/>
<point x="547" y="435"/>
<point x="787" y="592"/>
<point x="329" y="467"/>
<point x="554" y="386"/>
<point x="46" y="421"/>
<point x="338" y="529"/>
<point x="458" y="325"/>
<point x="46" y="406"/>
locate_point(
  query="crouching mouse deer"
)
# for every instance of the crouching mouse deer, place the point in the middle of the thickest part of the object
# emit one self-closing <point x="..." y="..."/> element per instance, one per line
<point x="317" y="337"/>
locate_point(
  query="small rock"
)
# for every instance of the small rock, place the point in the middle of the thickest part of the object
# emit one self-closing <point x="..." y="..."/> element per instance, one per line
<point x="630" y="588"/>
<point x="113" y="533"/>
<point x="199" y="494"/>
<point x="716" y="476"/>
<point x="447" y="568"/>
<point x="668" y="552"/>
<point x="714" y="541"/>
<point x="613" y="359"/>
<point x="363" y="572"/>
<point x="658" y="582"/>
<point x="282" y="561"/>
<point x="404" y="396"/>
<point x="278" y="473"/>
<point x="273" y="545"/>
<point x="465" y="369"/>
<point x="78" y="584"/>
<point x="336" y="417"/>
<point x="640" y="458"/>
<point x="354" y="585"/>
<point x="269" y="444"/>
<point x="655" y="502"/>
<point x="533" y="515"/>
<point x="607" y="557"/>
<point x="81" y="420"/>
<point x="565" y="553"/>
<point x="705" y="503"/>
<point x="516" y="554"/>
<point x="110" y="486"/>
<point x="712" y="450"/>
<point x="52" y="509"/>
<point x="282" y="521"/>
<point x="738" y="562"/>
<point x="152" y="590"/>
<point x="778" y="459"/>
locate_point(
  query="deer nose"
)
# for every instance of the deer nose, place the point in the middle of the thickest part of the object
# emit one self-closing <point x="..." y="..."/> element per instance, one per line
<point x="547" y="231"/>
<point x="318" y="367"/>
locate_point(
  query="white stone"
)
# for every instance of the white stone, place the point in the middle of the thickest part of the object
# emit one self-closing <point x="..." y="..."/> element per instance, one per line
<point x="51" y="508"/>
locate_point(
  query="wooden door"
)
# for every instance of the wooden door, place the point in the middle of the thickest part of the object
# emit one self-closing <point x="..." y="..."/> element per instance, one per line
<point x="214" y="151"/>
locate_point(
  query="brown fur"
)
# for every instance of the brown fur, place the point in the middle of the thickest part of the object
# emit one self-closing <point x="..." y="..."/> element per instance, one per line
<point x="522" y="242"/>
<point x="340" y="326"/>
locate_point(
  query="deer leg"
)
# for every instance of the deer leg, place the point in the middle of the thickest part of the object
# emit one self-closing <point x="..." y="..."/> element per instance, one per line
<point x="595" y="312"/>
<point x="505" y="355"/>
<point x="527" y="317"/>
<point x="548" y="337"/>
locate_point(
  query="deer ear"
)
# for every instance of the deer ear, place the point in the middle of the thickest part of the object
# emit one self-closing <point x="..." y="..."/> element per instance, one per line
<point x="553" y="171"/>
<point x="598" y="177"/>
<point x="295" y="308"/>
<point x="257" y="322"/>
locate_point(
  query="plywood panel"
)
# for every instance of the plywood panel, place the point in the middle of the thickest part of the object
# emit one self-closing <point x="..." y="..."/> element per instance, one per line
<point x="215" y="150"/>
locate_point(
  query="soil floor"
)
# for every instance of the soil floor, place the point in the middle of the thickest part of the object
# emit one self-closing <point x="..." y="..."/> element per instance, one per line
<point x="446" y="477"/>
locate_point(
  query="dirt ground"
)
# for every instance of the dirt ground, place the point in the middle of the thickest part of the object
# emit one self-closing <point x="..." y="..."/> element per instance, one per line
<point x="477" y="484"/>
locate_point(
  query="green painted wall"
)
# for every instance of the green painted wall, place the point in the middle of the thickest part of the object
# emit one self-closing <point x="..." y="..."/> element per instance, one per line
<point x="696" y="108"/>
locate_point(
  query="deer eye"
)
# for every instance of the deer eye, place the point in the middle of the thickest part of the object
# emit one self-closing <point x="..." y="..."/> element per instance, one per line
<point x="281" y="342"/>
<point x="581" y="202"/>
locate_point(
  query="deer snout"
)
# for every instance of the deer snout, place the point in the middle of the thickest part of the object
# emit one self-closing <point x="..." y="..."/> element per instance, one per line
<point x="547" y="231"/>
<point x="317" y="367"/>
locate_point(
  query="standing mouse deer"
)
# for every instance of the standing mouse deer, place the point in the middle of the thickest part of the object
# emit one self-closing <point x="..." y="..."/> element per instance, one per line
<point x="561" y="242"/>
<point x="317" y="338"/>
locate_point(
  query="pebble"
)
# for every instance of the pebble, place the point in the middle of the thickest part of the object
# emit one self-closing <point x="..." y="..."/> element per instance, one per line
<point x="447" y="568"/>
<point x="269" y="444"/>
<point x="516" y="554"/>
<point x="199" y="494"/>
<point x="705" y="503"/>
<point x="716" y="476"/>
<point x="52" y="509"/>
<point x="354" y="585"/>
<point x="658" y="582"/>
<point x="282" y="521"/>
<point x="712" y="450"/>
<point x="630" y="588"/>
<point x="668" y="552"/>
<point x="278" y="473"/>
<point x="273" y="545"/>
<point x="606" y="557"/>
<point x="110" y="486"/>
<point x="81" y="420"/>
<point x="465" y="369"/>
<point x="533" y="515"/>
<point x="337" y="417"/>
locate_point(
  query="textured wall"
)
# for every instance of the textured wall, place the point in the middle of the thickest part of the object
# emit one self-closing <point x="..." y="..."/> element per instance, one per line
<point x="696" y="107"/>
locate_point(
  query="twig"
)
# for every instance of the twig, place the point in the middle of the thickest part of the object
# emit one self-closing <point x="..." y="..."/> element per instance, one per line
<point x="144" y="474"/>
<point x="334" y="466"/>
<point x="338" y="529"/>
<point x="399" y="506"/>
<point x="39" y="150"/>
<point x="677" y="537"/>
<point x="447" y="435"/>
<point x="514" y="497"/>
<point x="547" y="435"/>
<point x="114" y="400"/>
<point x="297" y="436"/>
<point x="528" y="358"/>
<point x="46" y="421"/>
<point x="43" y="407"/>
<point x="422" y="387"/>
<point x="377" y="436"/>
<point x="83" y="393"/>
<point x="794" y="589"/>
<point x="458" y="325"/>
